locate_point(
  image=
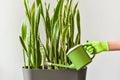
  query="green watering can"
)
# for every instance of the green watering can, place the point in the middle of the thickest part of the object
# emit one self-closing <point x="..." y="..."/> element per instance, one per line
<point x="78" y="56"/>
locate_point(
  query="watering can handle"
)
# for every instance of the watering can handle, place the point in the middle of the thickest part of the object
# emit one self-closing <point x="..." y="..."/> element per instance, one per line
<point x="92" y="54"/>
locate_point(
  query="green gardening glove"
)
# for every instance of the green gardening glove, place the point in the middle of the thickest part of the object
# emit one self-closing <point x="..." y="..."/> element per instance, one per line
<point x="94" y="47"/>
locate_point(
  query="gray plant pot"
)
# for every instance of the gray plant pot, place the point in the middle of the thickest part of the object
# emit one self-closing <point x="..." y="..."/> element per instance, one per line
<point x="63" y="74"/>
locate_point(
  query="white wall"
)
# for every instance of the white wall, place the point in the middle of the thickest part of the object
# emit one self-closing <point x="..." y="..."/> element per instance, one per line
<point x="11" y="14"/>
<point x="100" y="20"/>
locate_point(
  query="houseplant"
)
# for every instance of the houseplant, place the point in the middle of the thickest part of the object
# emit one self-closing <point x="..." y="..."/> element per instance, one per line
<point x="60" y="37"/>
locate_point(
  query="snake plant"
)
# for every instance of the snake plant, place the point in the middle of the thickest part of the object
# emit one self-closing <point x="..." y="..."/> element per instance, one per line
<point x="59" y="29"/>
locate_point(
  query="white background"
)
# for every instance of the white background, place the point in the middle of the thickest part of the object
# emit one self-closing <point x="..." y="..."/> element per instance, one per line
<point x="100" y="20"/>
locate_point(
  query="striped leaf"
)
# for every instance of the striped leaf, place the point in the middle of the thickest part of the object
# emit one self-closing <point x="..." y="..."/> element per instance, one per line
<point x="37" y="19"/>
<point x="27" y="9"/>
<point x="56" y="13"/>
<point x="24" y="31"/>
<point x="78" y="28"/>
<point x="23" y="44"/>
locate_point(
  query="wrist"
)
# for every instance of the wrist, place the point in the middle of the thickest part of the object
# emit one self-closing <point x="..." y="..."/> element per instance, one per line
<point x="105" y="46"/>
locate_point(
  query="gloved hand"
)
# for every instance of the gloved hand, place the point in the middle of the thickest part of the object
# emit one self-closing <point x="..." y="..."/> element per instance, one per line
<point x="94" y="47"/>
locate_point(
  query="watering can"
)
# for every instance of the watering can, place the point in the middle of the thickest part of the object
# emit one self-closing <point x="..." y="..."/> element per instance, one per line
<point x="78" y="56"/>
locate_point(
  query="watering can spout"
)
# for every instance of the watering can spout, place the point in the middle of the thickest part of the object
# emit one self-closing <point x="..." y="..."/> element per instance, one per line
<point x="78" y="56"/>
<point x="61" y="65"/>
<point x="72" y="66"/>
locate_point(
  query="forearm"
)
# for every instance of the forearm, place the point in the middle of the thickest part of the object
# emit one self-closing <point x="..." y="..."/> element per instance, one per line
<point x="114" y="45"/>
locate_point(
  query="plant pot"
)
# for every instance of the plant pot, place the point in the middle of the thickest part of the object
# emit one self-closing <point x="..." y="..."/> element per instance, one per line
<point x="61" y="74"/>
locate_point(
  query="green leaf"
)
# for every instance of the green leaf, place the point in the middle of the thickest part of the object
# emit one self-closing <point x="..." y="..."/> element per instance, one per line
<point x="69" y="11"/>
<point x="32" y="20"/>
<point x="37" y="39"/>
<point x="33" y="7"/>
<point x="55" y="41"/>
<point x="38" y="2"/>
<point x="56" y="13"/>
<point x="77" y="40"/>
<point x="37" y="18"/>
<point x="22" y="43"/>
<point x="31" y="38"/>
<point x="64" y="41"/>
<point x="71" y="28"/>
<point x="29" y="52"/>
<point x="78" y="28"/>
<point x="24" y="31"/>
<point x="55" y="36"/>
<point x="74" y="10"/>
<point x="32" y="16"/>
<point x="48" y="25"/>
<point x="64" y="36"/>
<point x="43" y="54"/>
<point x="27" y="9"/>
<point x="37" y="54"/>
<point x="78" y="21"/>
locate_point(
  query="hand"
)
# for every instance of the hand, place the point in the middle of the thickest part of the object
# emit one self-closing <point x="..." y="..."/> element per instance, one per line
<point x="94" y="47"/>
